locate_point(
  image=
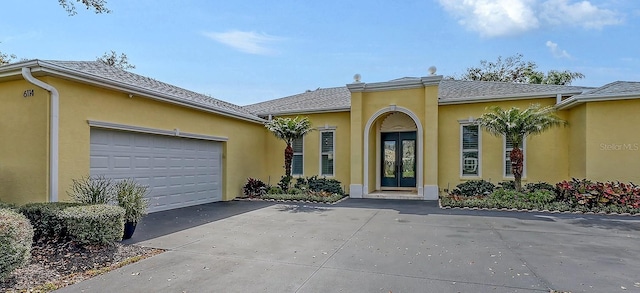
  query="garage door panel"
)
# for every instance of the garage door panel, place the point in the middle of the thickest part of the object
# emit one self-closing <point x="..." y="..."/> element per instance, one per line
<point x="179" y="171"/>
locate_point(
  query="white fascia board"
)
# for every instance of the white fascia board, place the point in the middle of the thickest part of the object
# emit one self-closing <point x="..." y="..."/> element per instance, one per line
<point x="176" y="132"/>
<point x="135" y="90"/>
<point x="499" y="98"/>
<point x="576" y="100"/>
<point x="303" y="112"/>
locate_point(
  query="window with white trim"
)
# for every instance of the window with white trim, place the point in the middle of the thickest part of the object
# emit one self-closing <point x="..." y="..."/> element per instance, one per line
<point x="297" y="164"/>
<point x="469" y="150"/>
<point x="508" y="147"/>
<point x="327" y="152"/>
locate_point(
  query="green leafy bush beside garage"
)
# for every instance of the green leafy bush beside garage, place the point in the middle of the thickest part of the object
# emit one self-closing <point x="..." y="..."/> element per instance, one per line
<point x="94" y="224"/>
<point x="46" y="219"/>
<point x="16" y="238"/>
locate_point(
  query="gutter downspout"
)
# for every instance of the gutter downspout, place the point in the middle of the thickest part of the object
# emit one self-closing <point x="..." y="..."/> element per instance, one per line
<point x="53" y="131"/>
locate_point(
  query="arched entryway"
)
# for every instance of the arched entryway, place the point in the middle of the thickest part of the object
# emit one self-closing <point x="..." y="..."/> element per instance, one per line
<point x="393" y="151"/>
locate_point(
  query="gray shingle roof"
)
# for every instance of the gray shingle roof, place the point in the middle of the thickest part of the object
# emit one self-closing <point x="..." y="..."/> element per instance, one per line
<point x="322" y="99"/>
<point x="615" y="88"/>
<point x="119" y="76"/>
<point x="463" y="89"/>
<point x="449" y="90"/>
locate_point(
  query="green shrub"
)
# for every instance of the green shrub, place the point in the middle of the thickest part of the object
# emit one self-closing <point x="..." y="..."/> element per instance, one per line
<point x="92" y="190"/>
<point x="95" y="224"/>
<point x="254" y="188"/>
<point x="46" y="220"/>
<point x="285" y="183"/>
<point x="301" y="183"/>
<point x="275" y="190"/>
<point x="509" y="185"/>
<point x="16" y="238"/>
<point x="506" y="195"/>
<point x="474" y="188"/>
<point x="131" y="197"/>
<point x="532" y="187"/>
<point x="295" y="191"/>
<point x="540" y="196"/>
<point x="10" y="206"/>
<point x="323" y="184"/>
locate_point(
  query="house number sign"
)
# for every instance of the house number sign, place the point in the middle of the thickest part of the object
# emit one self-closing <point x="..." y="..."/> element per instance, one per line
<point x="28" y="93"/>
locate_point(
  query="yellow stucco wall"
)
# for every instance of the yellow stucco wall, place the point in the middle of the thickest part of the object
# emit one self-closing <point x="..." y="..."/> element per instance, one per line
<point x="577" y="141"/>
<point x="612" y="141"/>
<point x="80" y="102"/>
<point x="311" y="149"/>
<point x="23" y="143"/>
<point x="546" y="154"/>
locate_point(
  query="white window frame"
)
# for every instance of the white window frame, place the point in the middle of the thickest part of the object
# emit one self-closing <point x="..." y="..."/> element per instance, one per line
<point x="462" y="125"/>
<point x="504" y="158"/>
<point x="298" y="154"/>
<point x="333" y="153"/>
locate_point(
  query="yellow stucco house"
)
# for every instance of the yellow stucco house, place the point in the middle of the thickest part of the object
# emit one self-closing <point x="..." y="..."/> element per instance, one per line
<point x="404" y="138"/>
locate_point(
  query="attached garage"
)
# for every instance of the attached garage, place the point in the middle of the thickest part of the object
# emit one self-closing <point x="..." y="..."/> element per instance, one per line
<point x="179" y="171"/>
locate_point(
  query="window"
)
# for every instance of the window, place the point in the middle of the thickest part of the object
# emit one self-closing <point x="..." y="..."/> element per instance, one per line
<point x="327" y="153"/>
<point x="470" y="150"/>
<point x="297" y="165"/>
<point x="508" y="146"/>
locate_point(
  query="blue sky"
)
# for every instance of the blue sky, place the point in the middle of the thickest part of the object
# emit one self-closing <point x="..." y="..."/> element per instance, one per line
<point x="250" y="51"/>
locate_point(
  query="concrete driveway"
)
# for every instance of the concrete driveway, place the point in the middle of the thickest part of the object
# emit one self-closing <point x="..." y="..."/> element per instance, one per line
<point x="377" y="246"/>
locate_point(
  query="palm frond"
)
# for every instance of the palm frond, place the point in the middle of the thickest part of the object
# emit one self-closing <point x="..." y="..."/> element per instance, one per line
<point x="289" y="129"/>
<point x="516" y="125"/>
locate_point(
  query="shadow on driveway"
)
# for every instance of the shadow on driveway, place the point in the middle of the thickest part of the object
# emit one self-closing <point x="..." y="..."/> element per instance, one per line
<point x="171" y="221"/>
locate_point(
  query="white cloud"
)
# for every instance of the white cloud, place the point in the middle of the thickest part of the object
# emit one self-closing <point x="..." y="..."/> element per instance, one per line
<point x="492" y="18"/>
<point x="553" y="47"/>
<point x="247" y="42"/>
<point x="583" y="13"/>
<point x="496" y="18"/>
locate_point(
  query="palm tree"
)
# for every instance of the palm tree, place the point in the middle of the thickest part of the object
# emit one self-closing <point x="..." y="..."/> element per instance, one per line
<point x="289" y="129"/>
<point x="516" y="125"/>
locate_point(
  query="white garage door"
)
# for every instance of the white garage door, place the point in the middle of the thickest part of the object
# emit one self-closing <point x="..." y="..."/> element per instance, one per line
<point x="180" y="172"/>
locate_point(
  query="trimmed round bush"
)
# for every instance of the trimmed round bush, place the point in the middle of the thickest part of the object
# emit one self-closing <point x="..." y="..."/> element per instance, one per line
<point x="16" y="238"/>
<point x="94" y="224"/>
<point x="4" y="205"/>
<point x="45" y="218"/>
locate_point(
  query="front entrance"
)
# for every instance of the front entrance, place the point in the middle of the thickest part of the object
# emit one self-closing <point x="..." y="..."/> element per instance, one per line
<point x="398" y="160"/>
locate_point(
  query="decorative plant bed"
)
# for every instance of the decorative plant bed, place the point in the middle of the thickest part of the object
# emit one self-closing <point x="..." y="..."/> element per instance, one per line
<point x="575" y="196"/>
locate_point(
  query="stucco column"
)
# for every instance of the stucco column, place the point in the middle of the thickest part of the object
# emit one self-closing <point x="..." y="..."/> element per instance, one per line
<point x="431" y="138"/>
<point x="355" y="189"/>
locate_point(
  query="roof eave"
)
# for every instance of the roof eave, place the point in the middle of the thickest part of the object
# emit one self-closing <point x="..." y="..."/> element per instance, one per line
<point x="54" y="70"/>
<point x="524" y="96"/>
<point x="577" y="100"/>
<point x="305" y="112"/>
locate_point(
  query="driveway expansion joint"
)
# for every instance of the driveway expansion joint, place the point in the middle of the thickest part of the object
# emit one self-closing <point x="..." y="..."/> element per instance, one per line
<point x="336" y="251"/>
<point x="521" y="258"/>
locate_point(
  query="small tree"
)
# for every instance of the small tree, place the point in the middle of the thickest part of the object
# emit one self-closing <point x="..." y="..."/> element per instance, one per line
<point x="112" y="59"/>
<point x="516" y="125"/>
<point x="514" y="69"/>
<point x="289" y="129"/>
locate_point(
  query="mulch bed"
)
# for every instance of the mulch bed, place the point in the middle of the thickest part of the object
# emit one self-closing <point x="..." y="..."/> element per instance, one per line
<point x="57" y="264"/>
